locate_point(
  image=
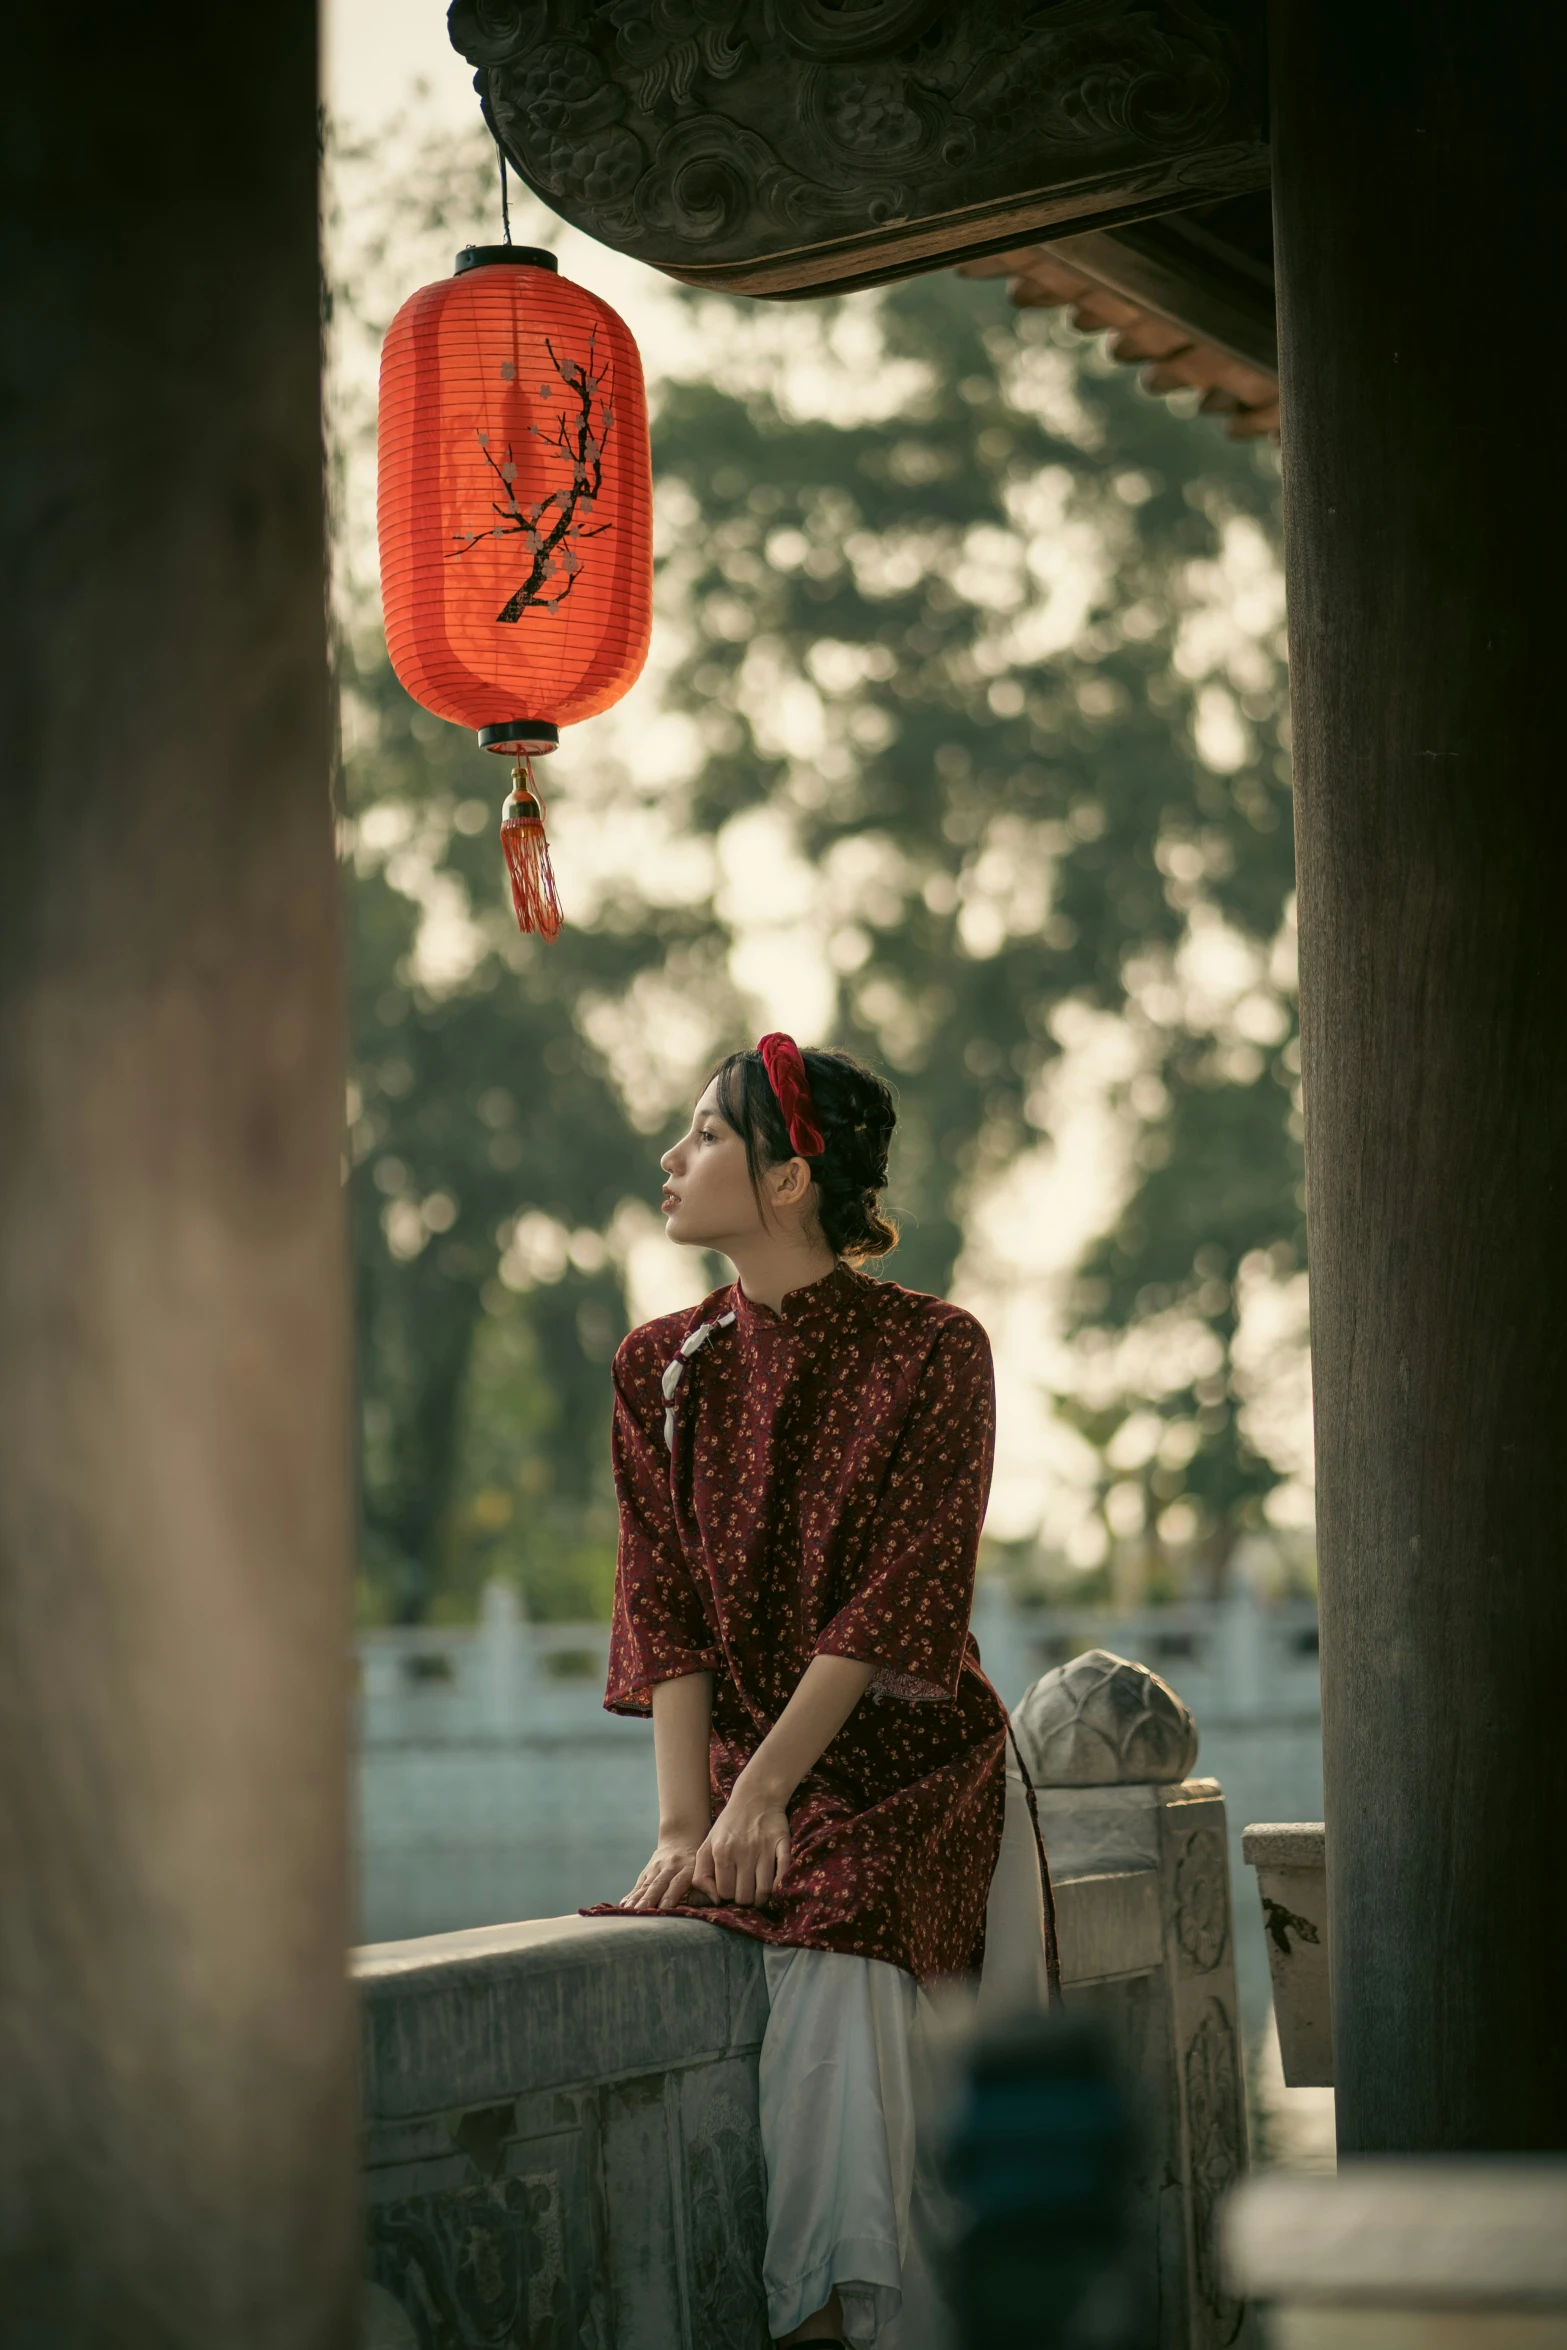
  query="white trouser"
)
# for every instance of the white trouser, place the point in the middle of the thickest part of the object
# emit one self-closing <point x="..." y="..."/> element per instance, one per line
<point x="848" y="2202"/>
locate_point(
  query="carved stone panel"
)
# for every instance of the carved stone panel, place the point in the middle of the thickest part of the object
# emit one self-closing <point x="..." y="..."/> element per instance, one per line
<point x="481" y="2268"/>
<point x="1200" y="1974"/>
<point x="1216" y="2156"/>
<point x="640" y="2184"/>
<point x="725" y="2206"/>
<point x="795" y="146"/>
<point x="1135" y="2010"/>
<point x="1202" y="1900"/>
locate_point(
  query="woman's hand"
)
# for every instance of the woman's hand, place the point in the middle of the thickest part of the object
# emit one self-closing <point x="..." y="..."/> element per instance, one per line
<point x="682" y="1718"/>
<point x="747" y="1849"/>
<point x="743" y="1856"/>
<point x="667" y="1879"/>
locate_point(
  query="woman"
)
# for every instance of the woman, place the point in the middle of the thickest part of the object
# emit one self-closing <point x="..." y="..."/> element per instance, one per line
<point x="802" y="1466"/>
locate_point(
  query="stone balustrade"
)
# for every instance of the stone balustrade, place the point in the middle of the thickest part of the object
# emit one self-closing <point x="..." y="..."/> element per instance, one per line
<point x="561" y="2138"/>
<point x="504" y="1678"/>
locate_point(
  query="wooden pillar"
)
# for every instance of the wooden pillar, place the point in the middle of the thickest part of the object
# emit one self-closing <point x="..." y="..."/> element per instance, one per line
<point x="176" y="2077"/>
<point x="1419" y="221"/>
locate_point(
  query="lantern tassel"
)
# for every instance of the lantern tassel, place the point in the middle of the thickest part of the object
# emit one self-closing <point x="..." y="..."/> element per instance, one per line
<point x="534" y="896"/>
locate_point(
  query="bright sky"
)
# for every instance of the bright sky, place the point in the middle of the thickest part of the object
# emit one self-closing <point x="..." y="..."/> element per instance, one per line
<point x="374" y="51"/>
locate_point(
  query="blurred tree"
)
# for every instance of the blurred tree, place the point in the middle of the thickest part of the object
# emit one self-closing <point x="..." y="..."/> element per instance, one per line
<point x="490" y="1144"/>
<point x="1001" y="637"/>
<point x="490" y="1149"/>
<point x="991" y="644"/>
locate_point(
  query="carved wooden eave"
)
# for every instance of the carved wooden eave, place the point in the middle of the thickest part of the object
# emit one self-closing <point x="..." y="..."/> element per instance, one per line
<point x="789" y="148"/>
<point x="1148" y="322"/>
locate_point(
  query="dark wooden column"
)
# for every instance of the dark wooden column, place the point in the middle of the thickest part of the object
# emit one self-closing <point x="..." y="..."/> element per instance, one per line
<point x="1418" y="192"/>
<point x="176" y="2082"/>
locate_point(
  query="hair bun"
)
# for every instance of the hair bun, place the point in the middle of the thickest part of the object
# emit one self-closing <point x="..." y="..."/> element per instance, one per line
<point x="857" y="1111"/>
<point x="859" y="1114"/>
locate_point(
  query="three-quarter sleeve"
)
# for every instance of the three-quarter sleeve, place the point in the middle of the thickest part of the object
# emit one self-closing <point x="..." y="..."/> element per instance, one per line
<point x="914" y="1586"/>
<point x="661" y="1629"/>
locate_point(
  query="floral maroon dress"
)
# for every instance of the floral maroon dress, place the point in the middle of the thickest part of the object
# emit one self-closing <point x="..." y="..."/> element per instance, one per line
<point x="823" y="1497"/>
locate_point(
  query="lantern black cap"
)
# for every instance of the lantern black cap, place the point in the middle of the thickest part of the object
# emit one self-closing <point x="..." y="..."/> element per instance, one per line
<point x="524" y="256"/>
<point x="533" y="735"/>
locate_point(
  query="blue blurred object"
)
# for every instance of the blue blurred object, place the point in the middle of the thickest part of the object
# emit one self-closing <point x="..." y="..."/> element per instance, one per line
<point x="1040" y="2153"/>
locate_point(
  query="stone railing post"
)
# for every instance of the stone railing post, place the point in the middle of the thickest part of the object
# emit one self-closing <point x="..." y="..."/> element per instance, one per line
<point x="1109" y="1746"/>
<point x="1292" y="1884"/>
<point x="505" y="1659"/>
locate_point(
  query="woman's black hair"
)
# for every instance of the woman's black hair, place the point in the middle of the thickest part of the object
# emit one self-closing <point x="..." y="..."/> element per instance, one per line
<point x="856" y="1112"/>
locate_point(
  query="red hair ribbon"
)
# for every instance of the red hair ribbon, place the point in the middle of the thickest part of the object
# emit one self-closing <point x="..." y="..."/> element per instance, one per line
<point x="785" y="1066"/>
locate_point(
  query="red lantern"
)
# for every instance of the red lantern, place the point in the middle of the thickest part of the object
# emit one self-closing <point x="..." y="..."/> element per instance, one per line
<point x="516" y="517"/>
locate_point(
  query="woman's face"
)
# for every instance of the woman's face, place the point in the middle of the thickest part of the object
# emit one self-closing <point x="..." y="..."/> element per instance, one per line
<point x="708" y="1200"/>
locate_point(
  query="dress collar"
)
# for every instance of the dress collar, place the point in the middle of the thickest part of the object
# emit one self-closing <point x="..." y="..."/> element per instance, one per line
<point x="833" y="1298"/>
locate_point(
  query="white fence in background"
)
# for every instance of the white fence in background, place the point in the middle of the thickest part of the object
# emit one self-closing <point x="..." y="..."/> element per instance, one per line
<point x="500" y="1679"/>
<point x="493" y="1786"/>
<point x="1242" y="1660"/>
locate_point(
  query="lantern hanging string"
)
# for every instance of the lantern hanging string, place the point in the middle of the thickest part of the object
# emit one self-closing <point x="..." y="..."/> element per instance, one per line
<point x="500" y="157"/>
<point x="534" y="897"/>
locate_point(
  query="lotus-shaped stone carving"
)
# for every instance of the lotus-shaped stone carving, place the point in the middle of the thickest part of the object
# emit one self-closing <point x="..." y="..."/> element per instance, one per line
<point x="1102" y="1721"/>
